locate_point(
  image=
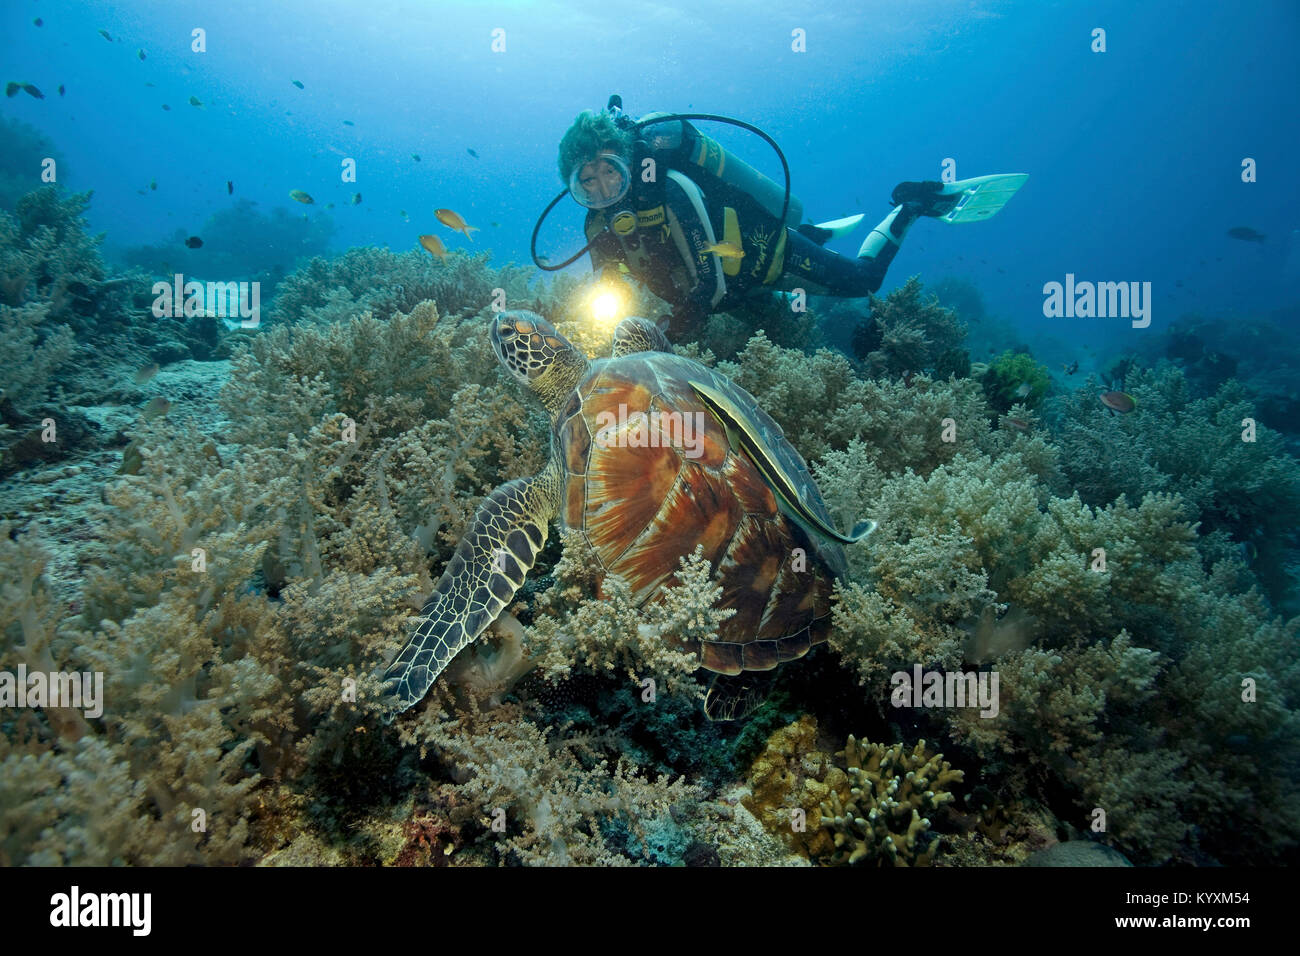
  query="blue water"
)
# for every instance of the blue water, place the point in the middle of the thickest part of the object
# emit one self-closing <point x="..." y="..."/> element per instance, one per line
<point x="1134" y="154"/>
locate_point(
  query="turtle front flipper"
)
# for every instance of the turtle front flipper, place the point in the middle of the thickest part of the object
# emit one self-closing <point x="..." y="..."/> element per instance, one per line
<point x="488" y="567"/>
<point x="635" y="334"/>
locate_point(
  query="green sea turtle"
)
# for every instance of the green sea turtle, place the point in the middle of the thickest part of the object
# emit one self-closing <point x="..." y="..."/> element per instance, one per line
<point x="652" y="454"/>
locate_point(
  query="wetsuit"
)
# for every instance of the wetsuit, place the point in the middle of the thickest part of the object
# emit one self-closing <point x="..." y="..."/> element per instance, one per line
<point x="661" y="229"/>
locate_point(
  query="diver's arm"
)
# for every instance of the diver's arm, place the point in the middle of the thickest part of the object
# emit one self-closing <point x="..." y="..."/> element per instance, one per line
<point x="605" y="252"/>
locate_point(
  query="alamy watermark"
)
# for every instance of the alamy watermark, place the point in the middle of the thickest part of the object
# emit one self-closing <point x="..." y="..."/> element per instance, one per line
<point x="224" y="300"/>
<point x="78" y="909"/>
<point x="1101" y="300"/>
<point x="684" y="430"/>
<point x="55" y="689"/>
<point x="951" y="689"/>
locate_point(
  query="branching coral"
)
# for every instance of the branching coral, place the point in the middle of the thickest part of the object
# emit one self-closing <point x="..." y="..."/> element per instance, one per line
<point x="1015" y="377"/>
<point x="916" y="335"/>
<point x="871" y="806"/>
<point x="326" y="291"/>
<point x="822" y="405"/>
<point x="884" y="818"/>
<point x="605" y="631"/>
<point x="546" y="798"/>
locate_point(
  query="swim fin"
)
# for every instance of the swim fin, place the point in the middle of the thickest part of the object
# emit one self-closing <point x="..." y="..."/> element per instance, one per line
<point x="981" y="197"/>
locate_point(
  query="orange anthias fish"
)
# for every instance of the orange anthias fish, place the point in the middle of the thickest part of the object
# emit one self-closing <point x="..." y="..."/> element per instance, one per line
<point x="434" y="245"/>
<point x="453" y="221"/>
<point x="1121" y="402"/>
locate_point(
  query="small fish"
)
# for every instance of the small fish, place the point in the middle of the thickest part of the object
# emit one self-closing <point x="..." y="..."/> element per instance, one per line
<point x="157" y="406"/>
<point x="496" y="225"/>
<point x="434" y="245"/>
<point x="1246" y="234"/>
<point x="402" y="213"/>
<point x="153" y="185"/>
<point x="31" y="90"/>
<point x="166" y="107"/>
<point x="230" y="187"/>
<point x="1071" y="368"/>
<point x="453" y="221"/>
<point x="1019" y="424"/>
<point x="298" y="83"/>
<point x="472" y="153"/>
<point x="328" y="205"/>
<point x="150" y="85"/>
<point x="1121" y="402"/>
<point x="195" y="101"/>
<point x="1023" y="391"/>
<point x="38" y="22"/>
<point x="143" y="375"/>
<point x="416" y="157"/>
<point x="193" y="242"/>
<point x="349" y="123"/>
<point x="725" y="250"/>
<point x="140" y="54"/>
<point x="297" y="195"/>
<point x="12" y="88"/>
<point x="209" y="450"/>
<point x="104" y="34"/>
<point x="132" y="460"/>
<point x="61" y="89"/>
<point x="356" y="199"/>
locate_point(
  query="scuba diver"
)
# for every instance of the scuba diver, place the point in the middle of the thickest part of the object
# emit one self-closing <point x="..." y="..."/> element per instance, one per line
<point x="705" y="231"/>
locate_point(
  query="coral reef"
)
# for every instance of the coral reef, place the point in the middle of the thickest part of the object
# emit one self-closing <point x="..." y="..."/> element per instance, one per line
<point x="239" y="243"/>
<point x="25" y="150"/>
<point x="326" y="291"/>
<point x="1247" y="492"/>
<point x="244" y="577"/>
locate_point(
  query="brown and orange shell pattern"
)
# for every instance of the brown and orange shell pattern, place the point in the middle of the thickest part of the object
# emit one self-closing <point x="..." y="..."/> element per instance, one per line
<point x="649" y="474"/>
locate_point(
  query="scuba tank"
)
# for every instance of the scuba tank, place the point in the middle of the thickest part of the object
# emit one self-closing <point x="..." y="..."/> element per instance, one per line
<point x="668" y="132"/>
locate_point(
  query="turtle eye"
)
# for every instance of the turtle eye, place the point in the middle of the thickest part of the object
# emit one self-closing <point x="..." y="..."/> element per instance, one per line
<point x="506" y="331"/>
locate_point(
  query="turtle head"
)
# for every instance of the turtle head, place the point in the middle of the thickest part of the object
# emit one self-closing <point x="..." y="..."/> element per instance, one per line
<point x="538" y="356"/>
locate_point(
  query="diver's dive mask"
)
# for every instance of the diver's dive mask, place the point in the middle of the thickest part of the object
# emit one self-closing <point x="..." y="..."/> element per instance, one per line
<point x="601" y="182"/>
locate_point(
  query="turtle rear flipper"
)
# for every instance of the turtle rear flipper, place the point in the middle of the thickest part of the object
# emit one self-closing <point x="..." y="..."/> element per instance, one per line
<point x="734" y="697"/>
<point x="488" y="567"/>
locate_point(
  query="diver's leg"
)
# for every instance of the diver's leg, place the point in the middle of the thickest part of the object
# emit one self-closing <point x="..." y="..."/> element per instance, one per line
<point x="822" y="272"/>
<point x="882" y="243"/>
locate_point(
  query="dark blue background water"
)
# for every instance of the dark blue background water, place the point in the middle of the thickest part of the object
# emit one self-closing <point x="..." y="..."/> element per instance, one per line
<point x="1134" y="154"/>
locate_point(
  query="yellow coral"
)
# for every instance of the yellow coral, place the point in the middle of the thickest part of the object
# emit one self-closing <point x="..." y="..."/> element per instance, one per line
<point x="877" y="818"/>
